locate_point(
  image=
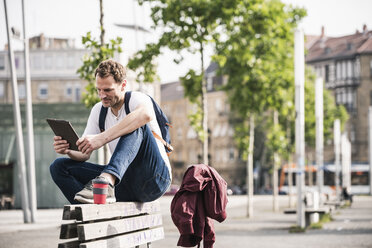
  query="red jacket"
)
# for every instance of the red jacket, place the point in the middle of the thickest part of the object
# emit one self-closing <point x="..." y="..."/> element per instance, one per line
<point x="202" y="196"/>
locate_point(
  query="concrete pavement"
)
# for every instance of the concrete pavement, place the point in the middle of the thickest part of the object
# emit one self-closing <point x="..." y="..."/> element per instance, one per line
<point x="352" y="227"/>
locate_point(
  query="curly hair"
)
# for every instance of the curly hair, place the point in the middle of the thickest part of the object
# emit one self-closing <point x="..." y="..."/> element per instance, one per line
<point x="111" y="68"/>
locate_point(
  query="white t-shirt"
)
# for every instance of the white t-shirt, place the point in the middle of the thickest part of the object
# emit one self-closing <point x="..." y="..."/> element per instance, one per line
<point x="111" y="120"/>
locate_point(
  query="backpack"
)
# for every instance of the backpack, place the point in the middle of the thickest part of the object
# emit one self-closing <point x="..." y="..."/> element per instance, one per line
<point x="161" y="118"/>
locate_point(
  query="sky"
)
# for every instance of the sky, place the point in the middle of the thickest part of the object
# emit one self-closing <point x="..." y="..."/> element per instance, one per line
<point x="73" y="18"/>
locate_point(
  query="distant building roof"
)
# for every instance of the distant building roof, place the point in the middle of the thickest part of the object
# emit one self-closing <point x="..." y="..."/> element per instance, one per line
<point x="340" y="47"/>
<point x="171" y="91"/>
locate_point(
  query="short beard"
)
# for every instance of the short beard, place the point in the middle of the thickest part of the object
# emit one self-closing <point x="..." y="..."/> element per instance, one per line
<point x="117" y="103"/>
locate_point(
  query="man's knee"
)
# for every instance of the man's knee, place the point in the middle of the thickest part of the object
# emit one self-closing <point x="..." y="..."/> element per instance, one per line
<point x="57" y="166"/>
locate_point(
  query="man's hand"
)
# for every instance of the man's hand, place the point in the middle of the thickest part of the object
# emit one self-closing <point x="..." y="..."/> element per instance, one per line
<point x="89" y="143"/>
<point x="61" y="146"/>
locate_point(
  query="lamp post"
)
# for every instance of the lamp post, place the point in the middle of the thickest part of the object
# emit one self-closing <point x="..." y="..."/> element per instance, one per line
<point x="29" y="123"/>
<point x="18" y="126"/>
<point x="319" y="134"/>
<point x="299" y="66"/>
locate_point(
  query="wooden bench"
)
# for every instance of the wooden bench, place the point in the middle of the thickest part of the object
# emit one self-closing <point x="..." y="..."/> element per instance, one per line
<point x="117" y="225"/>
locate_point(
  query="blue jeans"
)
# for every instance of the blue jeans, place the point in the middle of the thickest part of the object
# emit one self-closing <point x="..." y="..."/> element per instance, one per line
<point x="141" y="172"/>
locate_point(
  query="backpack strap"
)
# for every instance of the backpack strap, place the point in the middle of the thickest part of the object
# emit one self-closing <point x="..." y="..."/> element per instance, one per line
<point x="102" y="118"/>
<point x="128" y="94"/>
<point x="166" y="144"/>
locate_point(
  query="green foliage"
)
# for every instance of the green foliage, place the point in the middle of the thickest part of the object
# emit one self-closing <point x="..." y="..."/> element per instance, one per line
<point x="277" y="140"/>
<point x="258" y="55"/>
<point x="97" y="53"/>
<point x="144" y="65"/>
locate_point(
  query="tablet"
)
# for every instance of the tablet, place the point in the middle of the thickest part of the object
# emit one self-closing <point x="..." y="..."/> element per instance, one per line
<point x="65" y="130"/>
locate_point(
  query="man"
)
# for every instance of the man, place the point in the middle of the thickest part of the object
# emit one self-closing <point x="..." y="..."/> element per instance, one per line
<point x="139" y="169"/>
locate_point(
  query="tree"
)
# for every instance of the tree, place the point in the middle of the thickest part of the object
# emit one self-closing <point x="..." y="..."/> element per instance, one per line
<point x="257" y="57"/>
<point x="185" y="26"/>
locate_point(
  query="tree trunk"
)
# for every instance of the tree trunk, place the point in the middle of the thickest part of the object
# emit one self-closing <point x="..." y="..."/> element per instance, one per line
<point x="249" y="181"/>
<point x="204" y="108"/>
<point x="102" y="38"/>
<point x="291" y="198"/>
<point x="101" y="22"/>
<point x="290" y="171"/>
<point x="275" y="172"/>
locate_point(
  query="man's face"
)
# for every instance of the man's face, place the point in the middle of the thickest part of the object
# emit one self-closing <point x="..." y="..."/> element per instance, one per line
<point x="109" y="91"/>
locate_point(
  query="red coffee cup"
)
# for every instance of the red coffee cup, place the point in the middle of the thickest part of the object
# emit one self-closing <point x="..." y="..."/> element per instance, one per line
<point x="100" y="189"/>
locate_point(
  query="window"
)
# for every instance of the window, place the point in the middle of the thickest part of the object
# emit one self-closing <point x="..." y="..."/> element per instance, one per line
<point x="179" y="133"/>
<point x="2" y="62"/>
<point x="338" y="96"/>
<point x="77" y="93"/>
<point x="43" y="91"/>
<point x="218" y="105"/>
<point x="343" y="69"/>
<point x="68" y="91"/>
<point x="327" y="73"/>
<point x="21" y="91"/>
<point x="36" y="62"/>
<point x="60" y="60"/>
<point x="352" y="133"/>
<point x="349" y="69"/>
<point x="48" y="62"/>
<point x="231" y="154"/>
<point x="71" y="62"/>
<point x="338" y="70"/>
<point x="191" y="134"/>
<point x="2" y="89"/>
<point x="17" y="62"/>
<point x="357" y="68"/>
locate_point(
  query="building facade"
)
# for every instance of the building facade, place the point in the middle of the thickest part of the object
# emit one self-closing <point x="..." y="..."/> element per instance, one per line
<point x="345" y="64"/>
<point x="53" y="65"/>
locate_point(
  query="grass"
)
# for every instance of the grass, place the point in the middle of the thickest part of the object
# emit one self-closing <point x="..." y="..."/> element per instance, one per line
<point x="296" y="229"/>
<point x="347" y="204"/>
<point x="326" y="218"/>
<point x="318" y="225"/>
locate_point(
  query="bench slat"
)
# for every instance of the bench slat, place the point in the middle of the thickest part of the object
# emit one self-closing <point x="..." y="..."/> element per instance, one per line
<point x="70" y="244"/>
<point x="127" y="240"/>
<point x="88" y="212"/>
<point x="107" y="228"/>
